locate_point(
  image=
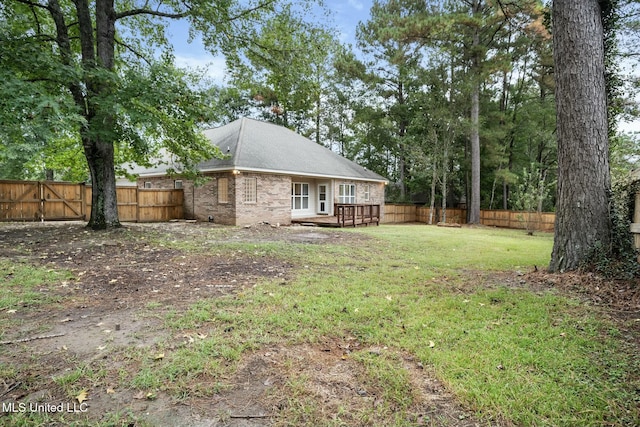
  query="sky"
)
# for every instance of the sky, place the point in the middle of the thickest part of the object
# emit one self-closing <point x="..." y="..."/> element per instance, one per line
<point x="346" y="16"/>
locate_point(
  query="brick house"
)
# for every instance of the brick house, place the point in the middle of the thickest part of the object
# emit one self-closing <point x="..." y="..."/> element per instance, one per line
<point x="269" y="174"/>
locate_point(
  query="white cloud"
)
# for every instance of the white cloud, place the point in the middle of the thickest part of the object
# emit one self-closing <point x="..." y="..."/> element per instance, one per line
<point x="213" y="67"/>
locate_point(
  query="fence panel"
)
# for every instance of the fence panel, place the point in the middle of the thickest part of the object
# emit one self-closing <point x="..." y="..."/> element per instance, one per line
<point x="48" y="200"/>
<point x="127" y="203"/>
<point x="146" y="205"/>
<point x="158" y="205"/>
<point x="496" y="218"/>
<point x="62" y="200"/>
<point x="20" y="201"/>
<point x="399" y="213"/>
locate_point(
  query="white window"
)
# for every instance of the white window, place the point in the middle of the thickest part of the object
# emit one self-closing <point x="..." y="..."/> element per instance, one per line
<point x="299" y="195"/>
<point x="347" y="193"/>
<point x="223" y="190"/>
<point x="177" y="184"/>
<point x="147" y="184"/>
<point x="367" y="193"/>
<point x="250" y="190"/>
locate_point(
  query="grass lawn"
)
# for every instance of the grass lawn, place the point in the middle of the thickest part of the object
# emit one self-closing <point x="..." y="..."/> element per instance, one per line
<point x="530" y="357"/>
<point x="455" y="301"/>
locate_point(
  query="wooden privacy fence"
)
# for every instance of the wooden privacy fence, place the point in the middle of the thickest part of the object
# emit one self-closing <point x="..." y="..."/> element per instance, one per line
<point x="55" y="201"/>
<point x="497" y="218"/>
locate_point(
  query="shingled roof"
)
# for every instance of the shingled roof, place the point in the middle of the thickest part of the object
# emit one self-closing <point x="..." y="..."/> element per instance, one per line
<point x="253" y="145"/>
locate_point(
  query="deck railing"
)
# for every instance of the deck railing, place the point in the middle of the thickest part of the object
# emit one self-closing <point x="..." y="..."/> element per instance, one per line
<point x="354" y="214"/>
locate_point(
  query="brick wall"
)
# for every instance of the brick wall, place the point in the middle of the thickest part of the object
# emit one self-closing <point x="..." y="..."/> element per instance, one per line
<point x="272" y="203"/>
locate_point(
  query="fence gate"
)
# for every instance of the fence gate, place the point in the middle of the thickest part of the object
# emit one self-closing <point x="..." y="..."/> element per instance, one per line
<point x="41" y="200"/>
<point x="62" y="200"/>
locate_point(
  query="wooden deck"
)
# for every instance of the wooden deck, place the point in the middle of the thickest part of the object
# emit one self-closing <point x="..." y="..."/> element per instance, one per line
<point x="345" y="216"/>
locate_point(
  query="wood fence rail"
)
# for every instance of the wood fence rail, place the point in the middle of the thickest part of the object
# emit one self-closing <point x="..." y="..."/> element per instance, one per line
<point x="55" y="201"/>
<point x="498" y="218"/>
<point x="353" y="215"/>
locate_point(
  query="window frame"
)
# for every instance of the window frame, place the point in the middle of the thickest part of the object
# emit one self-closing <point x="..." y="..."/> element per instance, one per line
<point x="301" y="196"/>
<point x="347" y="197"/>
<point x="223" y="190"/>
<point x="250" y="187"/>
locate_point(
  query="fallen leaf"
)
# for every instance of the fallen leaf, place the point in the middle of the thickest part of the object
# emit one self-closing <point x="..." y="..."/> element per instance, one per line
<point x="431" y="344"/>
<point x="202" y="336"/>
<point x="159" y="356"/>
<point x="388" y="297"/>
<point x="139" y="396"/>
<point x="12" y="311"/>
<point x="110" y="391"/>
<point x="67" y="319"/>
<point x="102" y="347"/>
<point x="150" y="396"/>
<point x="82" y="396"/>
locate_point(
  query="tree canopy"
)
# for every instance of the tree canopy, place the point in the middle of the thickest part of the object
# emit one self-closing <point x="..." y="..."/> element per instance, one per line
<point x="101" y="76"/>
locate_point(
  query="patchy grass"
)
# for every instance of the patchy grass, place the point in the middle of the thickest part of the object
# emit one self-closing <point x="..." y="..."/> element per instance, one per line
<point x="449" y="302"/>
<point x="509" y="353"/>
<point x="24" y="285"/>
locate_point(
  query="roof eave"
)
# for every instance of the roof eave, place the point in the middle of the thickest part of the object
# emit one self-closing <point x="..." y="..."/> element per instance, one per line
<point x="294" y="173"/>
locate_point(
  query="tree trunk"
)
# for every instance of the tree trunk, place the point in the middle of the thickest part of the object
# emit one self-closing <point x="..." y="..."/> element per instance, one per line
<point x="443" y="189"/>
<point x="99" y="150"/>
<point x="474" y="206"/>
<point x="402" y="150"/>
<point x="434" y="178"/>
<point x="104" y="204"/>
<point x="582" y="209"/>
